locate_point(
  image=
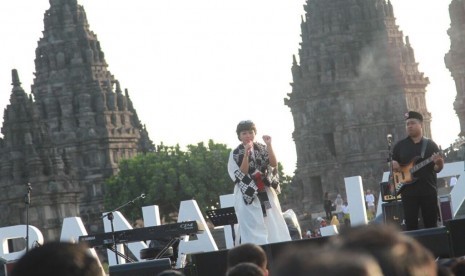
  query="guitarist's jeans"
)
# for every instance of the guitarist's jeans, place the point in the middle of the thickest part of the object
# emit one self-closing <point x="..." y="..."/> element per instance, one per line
<point x="429" y="210"/>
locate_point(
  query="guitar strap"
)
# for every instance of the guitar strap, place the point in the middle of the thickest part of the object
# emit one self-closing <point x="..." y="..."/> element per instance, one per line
<point x="424" y="142"/>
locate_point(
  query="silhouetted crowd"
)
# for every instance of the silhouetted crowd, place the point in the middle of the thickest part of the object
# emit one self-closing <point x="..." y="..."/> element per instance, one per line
<point x="363" y="250"/>
<point x="369" y="250"/>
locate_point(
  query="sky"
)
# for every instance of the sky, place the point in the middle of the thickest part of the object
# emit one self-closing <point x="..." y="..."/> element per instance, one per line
<point x="194" y="69"/>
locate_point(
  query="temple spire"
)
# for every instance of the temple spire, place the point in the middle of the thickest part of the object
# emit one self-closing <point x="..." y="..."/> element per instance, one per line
<point x="354" y="79"/>
<point x="118" y="88"/>
<point x="15" y="78"/>
<point x="54" y="3"/>
<point x="17" y="90"/>
<point x="390" y="9"/>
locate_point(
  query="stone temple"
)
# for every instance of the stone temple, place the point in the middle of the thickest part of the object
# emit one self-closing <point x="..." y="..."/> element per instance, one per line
<point x="354" y="78"/>
<point x="69" y="134"/>
<point x="353" y="81"/>
<point x="455" y="58"/>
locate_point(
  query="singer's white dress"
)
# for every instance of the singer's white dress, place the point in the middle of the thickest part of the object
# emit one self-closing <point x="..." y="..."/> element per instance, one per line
<point x="253" y="226"/>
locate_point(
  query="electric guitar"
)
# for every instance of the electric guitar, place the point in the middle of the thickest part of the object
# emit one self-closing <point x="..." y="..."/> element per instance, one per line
<point x="405" y="174"/>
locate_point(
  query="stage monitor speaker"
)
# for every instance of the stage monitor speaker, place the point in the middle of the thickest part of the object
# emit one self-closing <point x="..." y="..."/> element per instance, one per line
<point x="393" y="213"/>
<point x="215" y="263"/>
<point x="144" y="268"/>
<point x="387" y="192"/>
<point x="435" y="239"/>
<point x="456" y="229"/>
<point x="7" y="267"/>
<point x="208" y="263"/>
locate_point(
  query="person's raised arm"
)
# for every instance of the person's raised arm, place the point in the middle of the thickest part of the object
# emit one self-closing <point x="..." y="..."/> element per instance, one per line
<point x="271" y="155"/>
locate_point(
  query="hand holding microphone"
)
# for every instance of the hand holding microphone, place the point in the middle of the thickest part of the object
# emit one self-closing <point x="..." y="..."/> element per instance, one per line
<point x="249" y="147"/>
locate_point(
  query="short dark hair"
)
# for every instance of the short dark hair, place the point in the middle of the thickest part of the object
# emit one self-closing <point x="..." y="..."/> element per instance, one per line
<point x="325" y="261"/>
<point x="57" y="258"/>
<point x="170" y="272"/>
<point x="458" y="268"/>
<point x="245" y="269"/>
<point x="245" y="125"/>
<point x="247" y="252"/>
<point x="395" y="252"/>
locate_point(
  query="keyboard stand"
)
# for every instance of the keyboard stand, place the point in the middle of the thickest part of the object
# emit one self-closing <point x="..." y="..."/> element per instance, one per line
<point x="127" y="258"/>
<point x="166" y="247"/>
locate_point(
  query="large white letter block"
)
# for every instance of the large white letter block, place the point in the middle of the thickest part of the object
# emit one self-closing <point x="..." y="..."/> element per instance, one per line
<point x="188" y="211"/>
<point x="356" y="200"/>
<point x="228" y="201"/>
<point x="120" y="223"/>
<point x="71" y="229"/>
<point x="329" y="230"/>
<point x="458" y="192"/>
<point x="151" y="215"/>
<point x="16" y="232"/>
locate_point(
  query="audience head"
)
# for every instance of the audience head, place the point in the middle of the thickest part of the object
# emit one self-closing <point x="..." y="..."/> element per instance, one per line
<point x="247" y="252"/>
<point x="245" y="269"/>
<point x="458" y="268"/>
<point x="170" y="272"/>
<point x="396" y="253"/>
<point x="327" y="262"/>
<point x="57" y="258"/>
<point x="444" y="271"/>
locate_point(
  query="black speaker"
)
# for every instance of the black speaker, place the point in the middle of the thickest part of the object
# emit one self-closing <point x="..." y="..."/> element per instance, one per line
<point x="456" y="229"/>
<point x="435" y="239"/>
<point x="208" y="263"/>
<point x="215" y="263"/>
<point x="393" y="213"/>
<point x="144" y="268"/>
<point x="388" y="192"/>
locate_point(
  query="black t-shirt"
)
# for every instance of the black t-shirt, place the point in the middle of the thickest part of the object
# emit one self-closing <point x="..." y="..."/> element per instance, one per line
<point x="404" y="152"/>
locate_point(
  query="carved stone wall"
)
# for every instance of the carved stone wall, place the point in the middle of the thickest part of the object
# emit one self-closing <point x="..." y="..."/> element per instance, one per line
<point x="455" y="58"/>
<point x="67" y="138"/>
<point x="355" y="79"/>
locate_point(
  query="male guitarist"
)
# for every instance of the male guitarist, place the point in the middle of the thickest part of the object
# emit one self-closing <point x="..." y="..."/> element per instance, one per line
<point x="421" y="193"/>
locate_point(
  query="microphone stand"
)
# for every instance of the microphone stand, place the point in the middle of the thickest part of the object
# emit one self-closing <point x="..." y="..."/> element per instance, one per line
<point x="27" y="201"/>
<point x="392" y="187"/>
<point x="110" y="217"/>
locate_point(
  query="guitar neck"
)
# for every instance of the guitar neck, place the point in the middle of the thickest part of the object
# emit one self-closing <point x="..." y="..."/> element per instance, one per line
<point x="422" y="164"/>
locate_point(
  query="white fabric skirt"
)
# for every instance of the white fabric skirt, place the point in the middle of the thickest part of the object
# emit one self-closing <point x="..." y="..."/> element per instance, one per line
<point x="253" y="226"/>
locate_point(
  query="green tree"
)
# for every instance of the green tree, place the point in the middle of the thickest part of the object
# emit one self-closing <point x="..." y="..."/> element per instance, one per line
<point x="169" y="176"/>
<point x="285" y="180"/>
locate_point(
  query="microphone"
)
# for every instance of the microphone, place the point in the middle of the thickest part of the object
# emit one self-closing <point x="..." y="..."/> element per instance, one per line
<point x="249" y="152"/>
